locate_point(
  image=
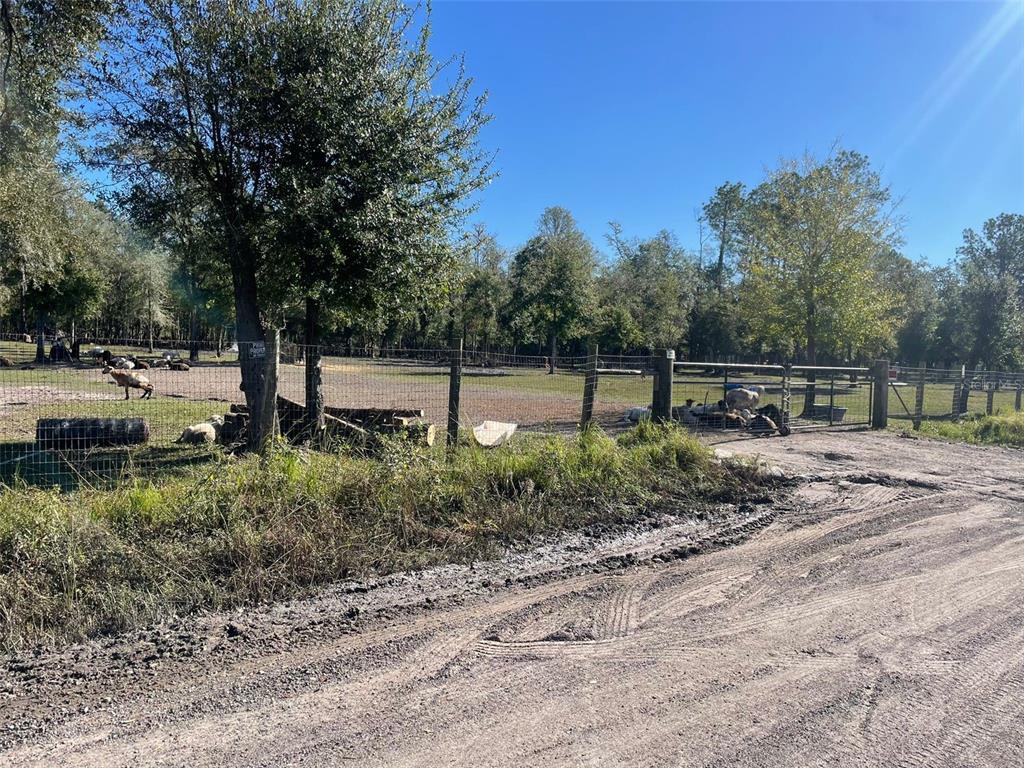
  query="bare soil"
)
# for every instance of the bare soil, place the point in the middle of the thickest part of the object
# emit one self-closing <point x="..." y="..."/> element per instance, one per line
<point x="871" y="617"/>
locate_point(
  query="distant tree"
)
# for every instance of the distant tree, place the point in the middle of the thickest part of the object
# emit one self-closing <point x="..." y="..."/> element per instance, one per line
<point x="551" y="280"/>
<point x="915" y="310"/>
<point x="713" y="334"/>
<point x="811" y="233"/>
<point x="723" y="213"/>
<point x="991" y="269"/>
<point x="655" y="282"/>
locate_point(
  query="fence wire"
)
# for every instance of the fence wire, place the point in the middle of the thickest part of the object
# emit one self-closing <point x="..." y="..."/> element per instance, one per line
<point x="125" y="409"/>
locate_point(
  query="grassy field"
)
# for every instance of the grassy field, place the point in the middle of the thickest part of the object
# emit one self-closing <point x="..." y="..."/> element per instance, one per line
<point x="237" y="531"/>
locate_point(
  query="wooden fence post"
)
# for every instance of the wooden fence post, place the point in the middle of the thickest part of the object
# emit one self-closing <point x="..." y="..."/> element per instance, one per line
<point x="919" y="397"/>
<point x="268" y="406"/>
<point x="990" y="397"/>
<point x="589" y="388"/>
<point x="1020" y="389"/>
<point x="662" y="401"/>
<point x="454" y="387"/>
<point x="880" y="396"/>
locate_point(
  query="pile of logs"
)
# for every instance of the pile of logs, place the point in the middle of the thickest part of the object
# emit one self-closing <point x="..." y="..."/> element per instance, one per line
<point x="352" y="424"/>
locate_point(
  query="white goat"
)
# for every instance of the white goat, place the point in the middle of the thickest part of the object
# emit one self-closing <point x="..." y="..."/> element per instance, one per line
<point x="738" y="399"/>
<point x="204" y="432"/>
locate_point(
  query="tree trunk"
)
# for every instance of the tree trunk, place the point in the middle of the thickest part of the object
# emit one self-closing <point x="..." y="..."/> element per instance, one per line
<point x="40" y="332"/>
<point x="150" y="307"/>
<point x="268" y="407"/>
<point x="812" y="359"/>
<point x="193" y="334"/>
<point x="720" y="271"/>
<point x="314" y="373"/>
<point x="251" y="348"/>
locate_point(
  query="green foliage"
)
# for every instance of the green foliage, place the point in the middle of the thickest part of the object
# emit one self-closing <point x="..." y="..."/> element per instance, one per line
<point x="991" y="268"/>
<point x="94" y="562"/>
<point x="811" y="233"/>
<point x="999" y="429"/>
<point x="724" y="214"/>
<point x="655" y="283"/>
<point x="552" y="282"/>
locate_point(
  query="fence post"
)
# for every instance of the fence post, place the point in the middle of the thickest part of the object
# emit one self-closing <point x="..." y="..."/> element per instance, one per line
<point x="919" y="397"/>
<point x="965" y="393"/>
<point x="880" y="399"/>
<point x="831" y="397"/>
<point x="787" y="393"/>
<point x="1020" y="390"/>
<point x="990" y="397"/>
<point x="454" y="386"/>
<point x="662" y="401"/>
<point x="589" y="388"/>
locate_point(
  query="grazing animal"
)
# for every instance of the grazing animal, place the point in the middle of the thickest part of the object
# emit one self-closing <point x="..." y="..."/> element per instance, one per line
<point x="638" y="414"/>
<point x="6" y="362"/>
<point x="122" y="363"/>
<point x="130" y="380"/>
<point x="205" y="432"/>
<point x="738" y="399"/>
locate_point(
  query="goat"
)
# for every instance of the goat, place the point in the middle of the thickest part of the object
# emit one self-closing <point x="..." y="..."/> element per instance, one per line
<point x="178" y="365"/>
<point x="6" y="362"/>
<point x="130" y="380"/>
<point x="205" y="432"/>
<point x="738" y="399"/>
<point x="122" y="363"/>
<point x="142" y="365"/>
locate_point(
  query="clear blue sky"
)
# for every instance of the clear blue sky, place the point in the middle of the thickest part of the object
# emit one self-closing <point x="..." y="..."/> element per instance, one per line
<point x="637" y="111"/>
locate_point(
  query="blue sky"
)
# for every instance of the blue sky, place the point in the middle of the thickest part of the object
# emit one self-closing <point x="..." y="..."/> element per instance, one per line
<point x="635" y="112"/>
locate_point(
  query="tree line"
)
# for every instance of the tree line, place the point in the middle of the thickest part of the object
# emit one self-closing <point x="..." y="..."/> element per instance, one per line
<point x="308" y="168"/>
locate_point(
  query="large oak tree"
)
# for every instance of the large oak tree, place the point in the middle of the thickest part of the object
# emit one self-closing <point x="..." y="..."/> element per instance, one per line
<point x="318" y="141"/>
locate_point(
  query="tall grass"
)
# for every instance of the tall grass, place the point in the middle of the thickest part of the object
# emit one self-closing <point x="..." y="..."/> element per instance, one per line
<point x="999" y="429"/>
<point x="93" y="562"/>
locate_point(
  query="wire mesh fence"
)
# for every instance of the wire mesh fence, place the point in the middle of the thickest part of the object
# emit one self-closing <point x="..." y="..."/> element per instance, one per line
<point x="919" y="393"/>
<point x="98" y="413"/>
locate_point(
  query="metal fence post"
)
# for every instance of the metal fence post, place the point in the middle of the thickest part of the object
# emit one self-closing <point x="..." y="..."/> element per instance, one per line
<point x="589" y="387"/>
<point x="831" y="397"/>
<point x="454" y="387"/>
<point x="662" y="401"/>
<point x="919" y="397"/>
<point x="787" y="393"/>
<point x="880" y="397"/>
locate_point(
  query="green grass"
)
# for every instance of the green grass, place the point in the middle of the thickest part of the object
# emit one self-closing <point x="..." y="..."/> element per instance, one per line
<point x="1000" y="429"/>
<point x="239" y="531"/>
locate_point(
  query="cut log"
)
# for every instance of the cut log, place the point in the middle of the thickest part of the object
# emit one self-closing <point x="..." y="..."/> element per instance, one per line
<point x="335" y="427"/>
<point x="76" y="434"/>
<point x="374" y="415"/>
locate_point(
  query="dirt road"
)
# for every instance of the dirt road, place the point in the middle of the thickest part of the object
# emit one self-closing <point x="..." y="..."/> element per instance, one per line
<point x="875" y="617"/>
